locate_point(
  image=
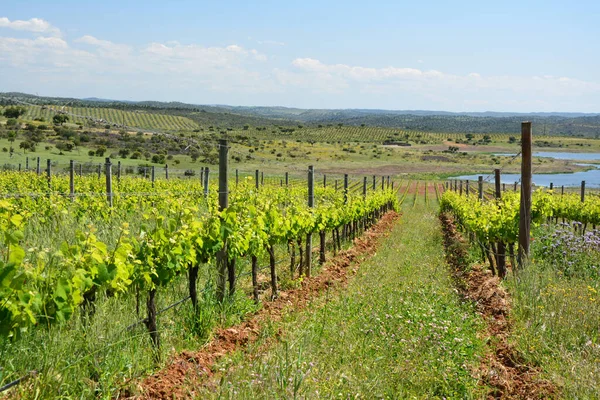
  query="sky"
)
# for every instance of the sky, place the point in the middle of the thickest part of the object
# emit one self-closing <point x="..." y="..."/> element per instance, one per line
<point x="515" y="56"/>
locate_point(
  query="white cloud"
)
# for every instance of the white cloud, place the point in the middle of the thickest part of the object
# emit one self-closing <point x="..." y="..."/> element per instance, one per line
<point x="394" y="78"/>
<point x="271" y="42"/>
<point x="105" y="48"/>
<point x="170" y="69"/>
<point x="36" y="25"/>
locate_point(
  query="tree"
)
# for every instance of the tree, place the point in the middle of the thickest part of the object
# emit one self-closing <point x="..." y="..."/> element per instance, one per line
<point x="14" y="112"/>
<point x="12" y="135"/>
<point x="469" y="136"/>
<point x="27" y="145"/>
<point x="100" y="151"/>
<point x="65" y="146"/>
<point x="60" y="119"/>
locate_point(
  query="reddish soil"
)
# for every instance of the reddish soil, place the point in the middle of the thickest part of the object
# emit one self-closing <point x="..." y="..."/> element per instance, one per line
<point x="189" y="370"/>
<point x="412" y="187"/>
<point x="503" y="368"/>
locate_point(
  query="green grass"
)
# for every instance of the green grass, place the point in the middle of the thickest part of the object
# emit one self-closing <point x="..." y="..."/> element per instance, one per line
<point x="398" y="331"/>
<point x="557" y="320"/>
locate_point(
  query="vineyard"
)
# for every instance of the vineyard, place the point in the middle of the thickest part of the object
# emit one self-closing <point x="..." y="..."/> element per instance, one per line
<point x="370" y="134"/>
<point x="136" y="118"/>
<point x="65" y="256"/>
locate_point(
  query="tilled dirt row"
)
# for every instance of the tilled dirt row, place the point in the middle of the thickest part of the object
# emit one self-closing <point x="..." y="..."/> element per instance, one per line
<point x="503" y="369"/>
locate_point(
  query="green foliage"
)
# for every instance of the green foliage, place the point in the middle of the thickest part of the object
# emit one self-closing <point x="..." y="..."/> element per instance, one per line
<point x="60" y="119"/>
<point x="14" y="112"/>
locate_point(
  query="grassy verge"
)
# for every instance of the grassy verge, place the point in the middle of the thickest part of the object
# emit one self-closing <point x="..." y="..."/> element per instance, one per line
<point x="399" y="331"/>
<point x="557" y="316"/>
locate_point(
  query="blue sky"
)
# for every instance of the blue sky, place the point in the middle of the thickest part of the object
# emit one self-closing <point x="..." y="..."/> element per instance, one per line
<point x="462" y="56"/>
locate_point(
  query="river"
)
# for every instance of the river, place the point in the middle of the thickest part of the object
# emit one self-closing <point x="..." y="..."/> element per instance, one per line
<point x="591" y="177"/>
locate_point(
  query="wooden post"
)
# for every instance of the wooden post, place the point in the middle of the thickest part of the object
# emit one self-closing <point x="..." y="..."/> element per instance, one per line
<point x="525" y="208"/>
<point x="374" y="183"/>
<point x="80" y="170"/>
<point x="202" y="176"/>
<point x="222" y="264"/>
<point x="497" y="183"/>
<point x="118" y="170"/>
<point x="152" y="175"/>
<point x="99" y="170"/>
<point x="26" y="163"/>
<point x="582" y="191"/>
<point x="108" y="173"/>
<point x="388" y="182"/>
<point x="382" y="182"/>
<point x="461" y="189"/>
<point x="311" y="204"/>
<point x="515" y="186"/>
<point x="504" y="187"/>
<point x="256" y="179"/>
<point x="262" y="178"/>
<point x="345" y="188"/>
<point x="551" y="186"/>
<point x="19" y="167"/>
<point x="466" y="188"/>
<point x="500" y="257"/>
<point x="480" y="187"/>
<point x="287" y="178"/>
<point x="72" y="180"/>
<point x="167" y="171"/>
<point x="237" y="179"/>
<point x="49" y="173"/>
<point x="324" y="180"/>
<point x="38" y="169"/>
<point x="206" y="172"/>
<point x="364" y="187"/>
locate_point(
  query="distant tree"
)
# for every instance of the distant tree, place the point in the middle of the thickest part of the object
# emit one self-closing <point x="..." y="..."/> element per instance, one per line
<point x="512" y="139"/>
<point x="123" y="153"/>
<point x="12" y="135"/>
<point x="100" y="151"/>
<point x="91" y="153"/>
<point x="65" y="146"/>
<point x="60" y="119"/>
<point x="469" y="136"/>
<point x="158" y="159"/>
<point x="11" y="122"/>
<point x="27" y="145"/>
<point x="14" y="112"/>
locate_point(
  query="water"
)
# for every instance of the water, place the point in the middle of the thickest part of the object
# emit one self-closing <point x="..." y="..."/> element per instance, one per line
<point x="591" y="177"/>
<point x="562" y="156"/>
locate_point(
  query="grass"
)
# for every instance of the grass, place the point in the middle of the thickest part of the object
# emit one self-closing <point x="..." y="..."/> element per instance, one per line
<point x="398" y="331"/>
<point x="557" y="319"/>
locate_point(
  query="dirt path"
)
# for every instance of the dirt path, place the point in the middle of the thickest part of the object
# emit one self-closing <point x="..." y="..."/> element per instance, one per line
<point x="188" y="371"/>
<point x="503" y="369"/>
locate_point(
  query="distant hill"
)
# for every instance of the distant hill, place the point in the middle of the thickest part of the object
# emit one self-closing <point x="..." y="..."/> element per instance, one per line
<point x="224" y="116"/>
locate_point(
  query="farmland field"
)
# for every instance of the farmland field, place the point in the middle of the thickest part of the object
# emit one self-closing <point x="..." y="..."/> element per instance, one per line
<point x="141" y="282"/>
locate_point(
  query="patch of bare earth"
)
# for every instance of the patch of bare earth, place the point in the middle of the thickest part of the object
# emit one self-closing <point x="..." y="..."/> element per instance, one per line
<point x="503" y="369"/>
<point x="190" y="370"/>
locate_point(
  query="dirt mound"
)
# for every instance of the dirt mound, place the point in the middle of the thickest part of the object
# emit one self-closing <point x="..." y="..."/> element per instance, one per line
<point x="189" y="370"/>
<point x="503" y="369"/>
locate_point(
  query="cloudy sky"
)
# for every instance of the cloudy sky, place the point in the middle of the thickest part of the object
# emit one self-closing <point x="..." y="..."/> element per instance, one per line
<point x="456" y="56"/>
